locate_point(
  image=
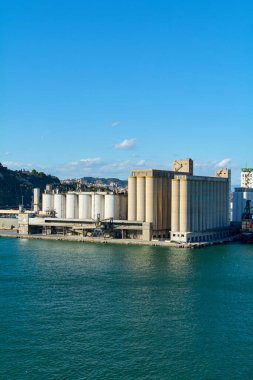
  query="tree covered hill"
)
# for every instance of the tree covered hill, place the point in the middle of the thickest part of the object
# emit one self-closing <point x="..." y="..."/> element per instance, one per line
<point x="18" y="184"/>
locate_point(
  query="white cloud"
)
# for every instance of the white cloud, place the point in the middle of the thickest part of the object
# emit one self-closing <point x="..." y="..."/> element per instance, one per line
<point x="126" y="144"/>
<point x="116" y="123"/>
<point x="208" y="168"/>
<point x="223" y="162"/>
<point x="84" y="165"/>
<point x="90" y="161"/>
<point x="116" y="167"/>
<point x="17" y="164"/>
<point x="141" y="163"/>
<point x="97" y="167"/>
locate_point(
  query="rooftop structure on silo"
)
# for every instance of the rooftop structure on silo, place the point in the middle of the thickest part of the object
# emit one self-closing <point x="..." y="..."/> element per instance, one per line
<point x="183" y="166"/>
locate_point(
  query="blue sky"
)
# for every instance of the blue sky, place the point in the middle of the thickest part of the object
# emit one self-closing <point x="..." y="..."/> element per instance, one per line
<point x="104" y="86"/>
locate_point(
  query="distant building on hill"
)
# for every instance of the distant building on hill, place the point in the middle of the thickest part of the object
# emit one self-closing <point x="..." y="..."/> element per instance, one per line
<point x="247" y="177"/>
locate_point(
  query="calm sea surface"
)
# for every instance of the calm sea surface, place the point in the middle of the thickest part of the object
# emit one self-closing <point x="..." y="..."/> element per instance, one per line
<point x="87" y="311"/>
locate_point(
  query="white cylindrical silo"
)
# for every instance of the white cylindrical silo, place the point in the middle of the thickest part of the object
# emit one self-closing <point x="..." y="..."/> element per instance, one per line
<point x="183" y="211"/>
<point x="155" y="214"/>
<point x="71" y="206"/>
<point x="175" y="199"/>
<point x="149" y="199"/>
<point x="109" y="206"/>
<point x="204" y="205"/>
<point x="132" y="198"/>
<point x="165" y="214"/>
<point x="60" y="205"/>
<point x="47" y="202"/>
<point x="141" y="199"/>
<point x="84" y="206"/>
<point x="36" y="199"/>
<point x="97" y="206"/>
<point x="194" y="209"/>
<point x="159" y="203"/>
<point x="212" y="205"/>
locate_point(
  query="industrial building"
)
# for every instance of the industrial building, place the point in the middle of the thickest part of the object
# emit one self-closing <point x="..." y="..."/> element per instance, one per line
<point x="167" y="205"/>
<point x="179" y="205"/>
<point x="200" y="207"/>
<point x="247" y="178"/>
<point x="83" y="205"/>
<point x="78" y="213"/>
<point x="240" y="196"/>
<point x="149" y="196"/>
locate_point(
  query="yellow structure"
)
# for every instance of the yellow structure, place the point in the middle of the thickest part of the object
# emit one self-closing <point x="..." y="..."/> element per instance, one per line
<point x="149" y="199"/>
<point x="183" y="166"/>
<point x="200" y="207"/>
<point x="149" y="196"/>
<point x="179" y="205"/>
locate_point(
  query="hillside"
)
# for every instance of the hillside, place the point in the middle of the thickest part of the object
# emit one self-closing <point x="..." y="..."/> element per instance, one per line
<point x="18" y="184"/>
<point x="15" y="184"/>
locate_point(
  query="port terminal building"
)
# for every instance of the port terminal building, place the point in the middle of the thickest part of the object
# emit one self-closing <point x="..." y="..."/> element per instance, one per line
<point x="170" y="205"/>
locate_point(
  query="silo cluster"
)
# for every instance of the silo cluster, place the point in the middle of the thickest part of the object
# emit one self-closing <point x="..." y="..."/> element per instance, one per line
<point x="199" y="204"/>
<point x="85" y="205"/>
<point x="149" y="198"/>
<point x="187" y="206"/>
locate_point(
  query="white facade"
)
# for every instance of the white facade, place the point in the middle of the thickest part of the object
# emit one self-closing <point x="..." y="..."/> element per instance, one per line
<point x="200" y="207"/>
<point x="247" y="178"/>
<point x="36" y="199"/>
<point x="47" y="202"/>
<point x="60" y="205"/>
<point x="84" y="206"/>
<point x="149" y="193"/>
<point x="97" y="206"/>
<point x="240" y="196"/>
<point x="110" y="203"/>
<point x="71" y="206"/>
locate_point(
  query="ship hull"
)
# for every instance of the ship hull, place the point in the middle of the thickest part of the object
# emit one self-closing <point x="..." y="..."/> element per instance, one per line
<point x="247" y="237"/>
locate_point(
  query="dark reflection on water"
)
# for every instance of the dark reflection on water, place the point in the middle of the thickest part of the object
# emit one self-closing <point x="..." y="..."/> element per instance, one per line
<point x="86" y="311"/>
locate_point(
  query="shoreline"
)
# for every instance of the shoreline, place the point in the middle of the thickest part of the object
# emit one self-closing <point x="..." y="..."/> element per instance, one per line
<point x="102" y="240"/>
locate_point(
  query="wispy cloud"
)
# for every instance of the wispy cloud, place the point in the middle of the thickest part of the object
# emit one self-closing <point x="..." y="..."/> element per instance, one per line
<point x="126" y="144"/>
<point x="223" y="162"/>
<point x="212" y="164"/>
<point x="116" y="123"/>
<point x="209" y="167"/>
<point x="84" y="165"/>
<point x="141" y="163"/>
<point x="98" y="167"/>
<point x="91" y="161"/>
<point x="17" y="164"/>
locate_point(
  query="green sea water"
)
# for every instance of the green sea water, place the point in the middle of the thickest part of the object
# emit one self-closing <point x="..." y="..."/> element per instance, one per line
<point x="87" y="311"/>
